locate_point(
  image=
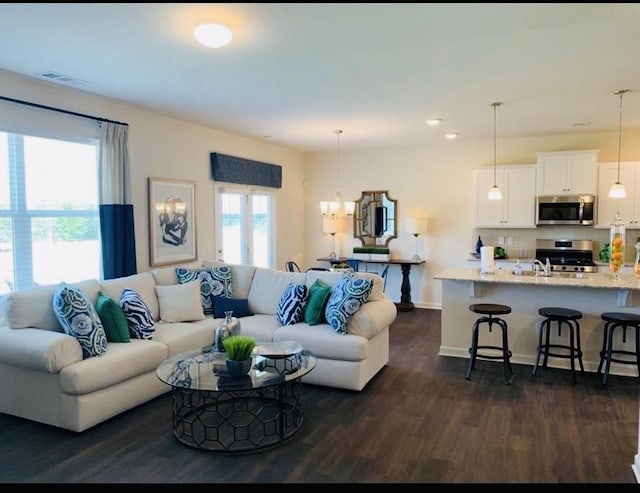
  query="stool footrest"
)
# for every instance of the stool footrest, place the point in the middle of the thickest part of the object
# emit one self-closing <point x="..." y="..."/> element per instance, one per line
<point x="577" y="353"/>
<point x="491" y="356"/>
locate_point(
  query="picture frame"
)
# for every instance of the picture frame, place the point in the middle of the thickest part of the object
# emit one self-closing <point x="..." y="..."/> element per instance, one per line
<point x="172" y="221"/>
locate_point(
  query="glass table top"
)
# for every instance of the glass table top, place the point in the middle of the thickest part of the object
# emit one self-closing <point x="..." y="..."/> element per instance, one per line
<point x="205" y="369"/>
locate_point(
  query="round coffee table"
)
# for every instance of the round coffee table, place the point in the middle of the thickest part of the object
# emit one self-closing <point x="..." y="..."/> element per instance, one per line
<point x="219" y="413"/>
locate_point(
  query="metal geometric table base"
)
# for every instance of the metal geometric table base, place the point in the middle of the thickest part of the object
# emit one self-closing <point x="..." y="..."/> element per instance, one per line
<point x="237" y="420"/>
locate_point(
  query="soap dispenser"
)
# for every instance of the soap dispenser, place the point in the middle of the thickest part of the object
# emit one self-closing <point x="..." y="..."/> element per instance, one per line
<point x="636" y="263"/>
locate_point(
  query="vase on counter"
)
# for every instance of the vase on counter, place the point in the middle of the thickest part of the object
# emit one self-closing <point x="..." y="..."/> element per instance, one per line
<point x="617" y="245"/>
<point x="229" y="327"/>
<point x="636" y="262"/>
<point x="479" y="245"/>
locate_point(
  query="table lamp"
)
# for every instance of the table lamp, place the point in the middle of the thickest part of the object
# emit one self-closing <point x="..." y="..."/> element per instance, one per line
<point x="415" y="226"/>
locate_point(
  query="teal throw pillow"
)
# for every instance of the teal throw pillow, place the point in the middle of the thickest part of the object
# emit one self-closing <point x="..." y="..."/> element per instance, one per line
<point x="79" y="319"/>
<point x="319" y="293"/>
<point x="113" y="319"/>
<point x="347" y="296"/>
<point x="214" y="281"/>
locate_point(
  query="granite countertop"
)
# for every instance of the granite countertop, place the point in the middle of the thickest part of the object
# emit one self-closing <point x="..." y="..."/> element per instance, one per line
<point x="596" y="280"/>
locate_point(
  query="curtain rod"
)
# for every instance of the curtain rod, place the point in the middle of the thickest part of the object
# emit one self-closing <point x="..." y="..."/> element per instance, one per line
<point x="67" y="112"/>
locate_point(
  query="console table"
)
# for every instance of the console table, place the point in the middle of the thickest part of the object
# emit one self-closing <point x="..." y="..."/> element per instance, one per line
<point x="405" y="305"/>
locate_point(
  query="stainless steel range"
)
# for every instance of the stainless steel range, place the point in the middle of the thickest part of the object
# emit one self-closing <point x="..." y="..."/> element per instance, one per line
<point x="567" y="255"/>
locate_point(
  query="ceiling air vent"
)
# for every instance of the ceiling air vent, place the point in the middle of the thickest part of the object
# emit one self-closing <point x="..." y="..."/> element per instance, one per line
<point x="64" y="79"/>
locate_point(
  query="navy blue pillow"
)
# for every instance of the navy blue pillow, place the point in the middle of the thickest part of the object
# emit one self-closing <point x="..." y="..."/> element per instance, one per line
<point x="239" y="307"/>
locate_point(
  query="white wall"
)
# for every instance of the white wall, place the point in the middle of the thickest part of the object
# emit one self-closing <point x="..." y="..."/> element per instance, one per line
<point x="432" y="180"/>
<point x="436" y="181"/>
<point x="163" y="147"/>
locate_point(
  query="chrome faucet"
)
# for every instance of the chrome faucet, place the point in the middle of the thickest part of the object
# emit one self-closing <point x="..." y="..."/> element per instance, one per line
<point x="546" y="267"/>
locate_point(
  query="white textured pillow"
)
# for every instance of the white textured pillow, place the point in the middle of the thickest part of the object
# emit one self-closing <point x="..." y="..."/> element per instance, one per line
<point x="180" y="302"/>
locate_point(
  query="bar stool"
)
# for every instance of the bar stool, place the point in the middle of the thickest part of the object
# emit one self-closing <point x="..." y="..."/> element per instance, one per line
<point x="490" y="312"/>
<point x="614" y="320"/>
<point x="562" y="316"/>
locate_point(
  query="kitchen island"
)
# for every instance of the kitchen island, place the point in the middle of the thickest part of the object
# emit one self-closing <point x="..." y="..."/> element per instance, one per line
<point x="592" y="295"/>
<point x="525" y="294"/>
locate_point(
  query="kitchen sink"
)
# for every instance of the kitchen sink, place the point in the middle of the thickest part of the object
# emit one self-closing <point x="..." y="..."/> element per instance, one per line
<point x="563" y="275"/>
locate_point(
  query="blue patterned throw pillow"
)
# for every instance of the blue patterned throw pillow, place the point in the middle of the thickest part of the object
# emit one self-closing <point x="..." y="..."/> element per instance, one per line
<point x="291" y="306"/>
<point x="138" y="315"/>
<point x="79" y="318"/>
<point x="214" y="281"/>
<point x="347" y="296"/>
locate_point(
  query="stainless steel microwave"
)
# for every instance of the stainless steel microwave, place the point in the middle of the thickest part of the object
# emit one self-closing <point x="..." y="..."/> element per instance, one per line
<point x="576" y="210"/>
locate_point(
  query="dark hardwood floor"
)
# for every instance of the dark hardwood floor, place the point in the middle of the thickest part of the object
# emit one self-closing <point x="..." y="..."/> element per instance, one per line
<point x="417" y="421"/>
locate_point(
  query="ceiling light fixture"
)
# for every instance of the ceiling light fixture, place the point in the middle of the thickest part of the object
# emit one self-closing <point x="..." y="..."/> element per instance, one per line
<point x="617" y="190"/>
<point x="213" y="35"/>
<point x="337" y="207"/>
<point x="494" y="192"/>
<point x="451" y="136"/>
<point x="434" y="122"/>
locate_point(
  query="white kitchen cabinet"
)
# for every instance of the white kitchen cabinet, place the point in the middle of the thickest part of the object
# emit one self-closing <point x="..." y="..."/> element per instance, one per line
<point x="629" y="207"/>
<point x="517" y="209"/>
<point x="567" y="172"/>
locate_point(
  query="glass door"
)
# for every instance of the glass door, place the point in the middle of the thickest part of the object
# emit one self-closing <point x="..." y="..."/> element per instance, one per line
<point x="246" y="226"/>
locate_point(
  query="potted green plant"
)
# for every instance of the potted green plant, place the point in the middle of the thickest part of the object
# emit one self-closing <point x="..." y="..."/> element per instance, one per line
<point x="239" y="349"/>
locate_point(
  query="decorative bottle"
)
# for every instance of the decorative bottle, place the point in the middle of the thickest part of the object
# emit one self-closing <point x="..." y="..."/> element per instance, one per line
<point x="636" y="263"/>
<point x="229" y="327"/>
<point x="617" y="244"/>
<point x="479" y="245"/>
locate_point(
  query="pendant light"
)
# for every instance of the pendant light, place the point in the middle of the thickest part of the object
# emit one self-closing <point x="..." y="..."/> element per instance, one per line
<point x="337" y="207"/>
<point x="617" y="190"/>
<point x="494" y="191"/>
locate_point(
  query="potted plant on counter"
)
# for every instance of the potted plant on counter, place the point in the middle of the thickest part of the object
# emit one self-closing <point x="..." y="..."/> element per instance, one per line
<point x="239" y="350"/>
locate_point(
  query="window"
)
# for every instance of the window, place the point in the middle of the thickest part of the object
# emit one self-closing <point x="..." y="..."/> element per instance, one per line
<point x="246" y="226"/>
<point x="49" y="222"/>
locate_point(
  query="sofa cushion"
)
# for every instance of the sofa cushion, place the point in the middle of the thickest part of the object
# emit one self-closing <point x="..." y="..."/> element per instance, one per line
<point x="347" y="296"/>
<point x="79" y="318"/>
<point x="292" y="302"/>
<point x="121" y="362"/>
<point x="180" y="302"/>
<point x="144" y="284"/>
<point x="241" y="277"/>
<point x="319" y="293"/>
<point x="214" y="281"/>
<point x="267" y="288"/>
<point x="113" y="319"/>
<point x="323" y="342"/>
<point x="239" y="307"/>
<point x="261" y="327"/>
<point x="331" y="278"/>
<point x="33" y="307"/>
<point x="165" y="276"/>
<point x="182" y="336"/>
<point x="138" y="316"/>
<point x="37" y="349"/>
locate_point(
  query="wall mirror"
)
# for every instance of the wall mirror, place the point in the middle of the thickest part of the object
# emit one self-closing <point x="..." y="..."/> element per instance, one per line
<point x="374" y="218"/>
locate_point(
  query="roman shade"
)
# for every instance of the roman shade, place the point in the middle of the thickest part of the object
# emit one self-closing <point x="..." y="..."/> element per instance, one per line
<point x="231" y="169"/>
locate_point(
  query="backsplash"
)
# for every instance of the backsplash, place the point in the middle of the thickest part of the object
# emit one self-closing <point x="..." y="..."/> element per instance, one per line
<point x="524" y="240"/>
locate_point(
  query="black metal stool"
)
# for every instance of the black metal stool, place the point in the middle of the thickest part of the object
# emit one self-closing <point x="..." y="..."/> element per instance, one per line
<point x="562" y="316"/>
<point x="491" y="312"/>
<point x="607" y="354"/>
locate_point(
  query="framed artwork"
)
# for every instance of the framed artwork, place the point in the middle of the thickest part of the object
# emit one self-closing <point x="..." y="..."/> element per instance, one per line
<point x="172" y="221"/>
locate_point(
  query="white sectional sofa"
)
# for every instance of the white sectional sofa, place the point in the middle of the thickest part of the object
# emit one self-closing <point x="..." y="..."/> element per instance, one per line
<point x="43" y="376"/>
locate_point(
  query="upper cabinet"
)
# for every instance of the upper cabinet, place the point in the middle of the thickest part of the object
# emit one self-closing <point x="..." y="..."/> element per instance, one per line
<point x="517" y="209"/>
<point x="629" y="207"/>
<point x="567" y="172"/>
